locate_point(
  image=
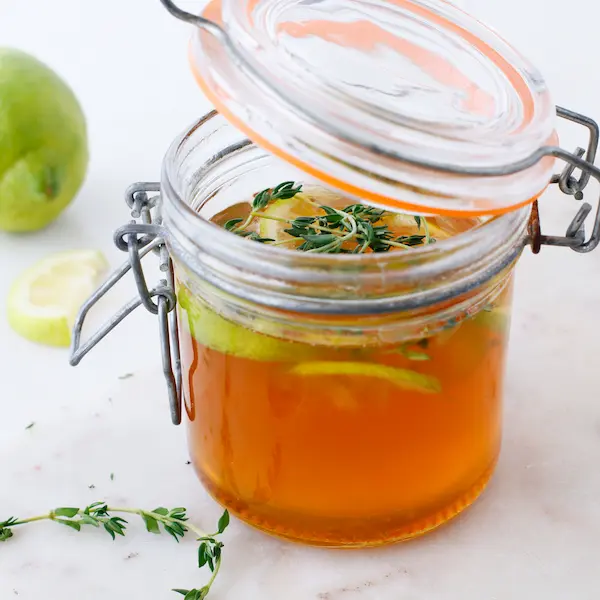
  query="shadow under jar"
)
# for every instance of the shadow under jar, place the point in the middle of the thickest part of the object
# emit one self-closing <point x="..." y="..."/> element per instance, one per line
<point x="340" y="400"/>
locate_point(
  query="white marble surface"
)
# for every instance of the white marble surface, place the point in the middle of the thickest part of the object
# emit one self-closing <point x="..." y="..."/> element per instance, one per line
<point x="534" y="534"/>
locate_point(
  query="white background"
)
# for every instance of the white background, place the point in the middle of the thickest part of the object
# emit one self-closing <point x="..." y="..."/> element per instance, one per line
<point x="126" y="61"/>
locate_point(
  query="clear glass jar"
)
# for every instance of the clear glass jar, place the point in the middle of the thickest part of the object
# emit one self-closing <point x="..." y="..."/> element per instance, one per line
<point x="333" y="399"/>
<point x="348" y="399"/>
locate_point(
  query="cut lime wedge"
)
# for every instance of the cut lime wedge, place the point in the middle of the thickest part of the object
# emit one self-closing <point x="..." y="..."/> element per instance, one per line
<point x="277" y="215"/>
<point x="43" y="301"/>
<point x="403" y="224"/>
<point x="273" y="224"/>
<point x="214" y="331"/>
<point x="497" y="319"/>
<point x="402" y="378"/>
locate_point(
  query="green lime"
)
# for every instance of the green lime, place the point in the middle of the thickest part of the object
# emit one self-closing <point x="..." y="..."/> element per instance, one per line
<point x="44" y="300"/>
<point x="216" y="332"/>
<point x="496" y="318"/>
<point x="273" y="224"/>
<point x="402" y="378"/>
<point x="43" y="143"/>
<point x="219" y="333"/>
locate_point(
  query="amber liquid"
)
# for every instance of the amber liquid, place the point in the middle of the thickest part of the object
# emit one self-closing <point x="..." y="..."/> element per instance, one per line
<point x="349" y="459"/>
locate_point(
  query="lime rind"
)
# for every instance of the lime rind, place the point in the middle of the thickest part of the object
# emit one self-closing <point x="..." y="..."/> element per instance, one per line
<point x="290" y="209"/>
<point x="43" y="301"/>
<point x="497" y="319"/>
<point x="404" y="379"/>
<point x="43" y="143"/>
<point x="219" y="333"/>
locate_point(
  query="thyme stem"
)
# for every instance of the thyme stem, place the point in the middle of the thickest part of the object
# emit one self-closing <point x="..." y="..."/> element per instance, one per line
<point x="47" y="517"/>
<point x="426" y="227"/>
<point x="330" y="232"/>
<point x="140" y="513"/>
<point x="174" y="522"/>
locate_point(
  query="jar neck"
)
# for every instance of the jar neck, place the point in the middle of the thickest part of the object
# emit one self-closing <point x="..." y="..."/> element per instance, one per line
<point x="206" y="162"/>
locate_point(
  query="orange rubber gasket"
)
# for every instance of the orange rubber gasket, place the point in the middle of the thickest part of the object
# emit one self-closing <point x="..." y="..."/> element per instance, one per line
<point x="212" y="12"/>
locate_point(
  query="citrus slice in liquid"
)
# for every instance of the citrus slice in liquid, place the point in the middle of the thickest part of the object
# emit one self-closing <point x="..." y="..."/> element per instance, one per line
<point x="497" y="319"/>
<point x="403" y="224"/>
<point x="276" y="216"/>
<point x="401" y="378"/>
<point x="218" y="333"/>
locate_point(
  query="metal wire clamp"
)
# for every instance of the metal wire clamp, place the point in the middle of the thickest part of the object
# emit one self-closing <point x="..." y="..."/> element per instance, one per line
<point x="139" y="239"/>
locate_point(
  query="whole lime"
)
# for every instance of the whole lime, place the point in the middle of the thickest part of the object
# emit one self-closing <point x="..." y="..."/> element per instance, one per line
<point x="43" y="143"/>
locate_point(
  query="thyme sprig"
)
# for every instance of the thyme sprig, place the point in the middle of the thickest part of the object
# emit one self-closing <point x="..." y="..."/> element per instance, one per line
<point x="353" y="229"/>
<point x="283" y="191"/>
<point x="172" y="521"/>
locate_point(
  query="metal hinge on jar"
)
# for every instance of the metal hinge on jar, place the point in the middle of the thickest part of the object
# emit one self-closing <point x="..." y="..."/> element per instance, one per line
<point x="582" y="159"/>
<point x="139" y="238"/>
<point x="144" y="235"/>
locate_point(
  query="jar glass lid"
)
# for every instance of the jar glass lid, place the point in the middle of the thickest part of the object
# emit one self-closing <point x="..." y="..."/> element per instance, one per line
<point x="390" y="101"/>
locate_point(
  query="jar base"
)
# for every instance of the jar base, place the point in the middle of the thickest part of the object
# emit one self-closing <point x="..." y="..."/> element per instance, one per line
<point x="350" y="533"/>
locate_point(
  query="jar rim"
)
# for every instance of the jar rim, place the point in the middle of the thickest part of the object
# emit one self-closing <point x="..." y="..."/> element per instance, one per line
<point x="489" y="228"/>
<point x="329" y="283"/>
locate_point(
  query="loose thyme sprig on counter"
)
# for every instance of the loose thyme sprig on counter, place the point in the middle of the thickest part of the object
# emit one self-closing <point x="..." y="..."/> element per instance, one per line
<point x="351" y="230"/>
<point x="174" y="522"/>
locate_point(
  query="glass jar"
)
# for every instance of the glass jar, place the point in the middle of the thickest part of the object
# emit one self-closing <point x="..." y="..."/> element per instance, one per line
<point x="344" y="400"/>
